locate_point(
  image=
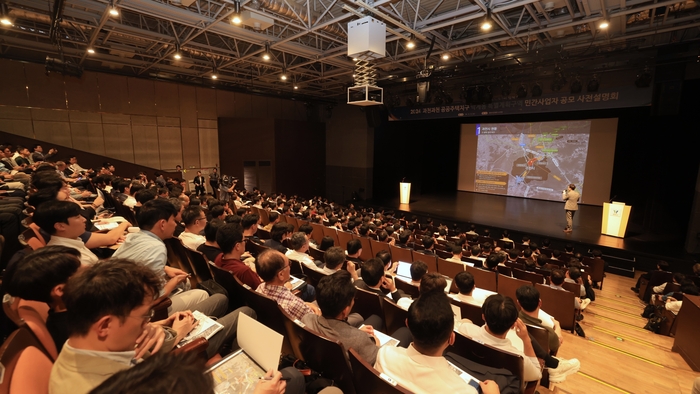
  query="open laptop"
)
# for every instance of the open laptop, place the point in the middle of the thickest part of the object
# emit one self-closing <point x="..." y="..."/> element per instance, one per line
<point x="403" y="270"/>
<point x="240" y="371"/>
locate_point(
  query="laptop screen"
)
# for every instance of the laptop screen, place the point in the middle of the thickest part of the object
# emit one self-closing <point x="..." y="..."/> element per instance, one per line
<point x="404" y="269"/>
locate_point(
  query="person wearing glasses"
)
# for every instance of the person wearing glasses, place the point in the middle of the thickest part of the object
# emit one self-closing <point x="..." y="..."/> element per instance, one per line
<point x="195" y="221"/>
<point x="108" y="313"/>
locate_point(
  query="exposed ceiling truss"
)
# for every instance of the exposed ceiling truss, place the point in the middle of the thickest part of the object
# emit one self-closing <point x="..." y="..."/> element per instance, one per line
<point x="307" y="39"/>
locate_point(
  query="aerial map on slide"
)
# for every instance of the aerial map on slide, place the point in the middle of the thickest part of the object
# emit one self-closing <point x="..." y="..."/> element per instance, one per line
<point x="533" y="160"/>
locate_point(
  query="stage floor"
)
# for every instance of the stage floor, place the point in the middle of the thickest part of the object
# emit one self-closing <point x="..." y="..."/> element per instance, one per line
<point x="538" y="218"/>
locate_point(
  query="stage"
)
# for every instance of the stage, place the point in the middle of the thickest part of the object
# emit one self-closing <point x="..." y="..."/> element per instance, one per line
<point x="541" y="219"/>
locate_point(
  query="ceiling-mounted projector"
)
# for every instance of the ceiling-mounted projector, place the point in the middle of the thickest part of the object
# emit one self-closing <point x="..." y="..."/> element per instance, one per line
<point x="63" y="67"/>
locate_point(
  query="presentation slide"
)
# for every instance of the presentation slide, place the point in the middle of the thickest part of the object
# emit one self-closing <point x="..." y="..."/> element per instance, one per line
<point x="539" y="159"/>
<point x="533" y="160"/>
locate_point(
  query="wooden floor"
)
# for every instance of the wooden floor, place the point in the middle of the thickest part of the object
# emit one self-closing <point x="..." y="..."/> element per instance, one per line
<point x="618" y="355"/>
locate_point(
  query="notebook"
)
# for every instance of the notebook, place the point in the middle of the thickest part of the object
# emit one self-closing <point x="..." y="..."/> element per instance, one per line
<point x="295" y="282"/>
<point x="240" y="371"/>
<point x="108" y="223"/>
<point x="206" y="328"/>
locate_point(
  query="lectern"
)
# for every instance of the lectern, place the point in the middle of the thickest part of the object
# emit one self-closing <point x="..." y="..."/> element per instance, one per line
<point x="615" y="217"/>
<point x="405" y="192"/>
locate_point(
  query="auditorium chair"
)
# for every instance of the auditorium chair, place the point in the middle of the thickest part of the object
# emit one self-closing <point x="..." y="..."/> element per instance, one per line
<point x="366" y="253"/>
<point x="295" y="268"/>
<point x="264" y="216"/>
<point x="269" y="314"/>
<point x="597" y="271"/>
<point x="31" y="315"/>
<point x="313" y="276"/>
<point x="449" y="268"/>
<point x="262" y="234"/>
<point x="368" y="304"/>
<point x="295" y="333"/>
<point x="178" y="258"/>
<point x="400" y="254"/>
<point x="408" y="288"/>
<point x="394" y="316"/>
<point x="532" y="277"/>
<point x="559" y="304"/>
<point x="475" y="262"/>
<point x="504" y="270"/>
<point x="26" y="367"/>
<point x="429" y="259"/>
<point x="317" y="233"/>
<point x="328" y="357"/>
<point x="343" y="238"/>
<point x="507" y="286"/>
<point x="541" y="335"/>
<point x="656" y="278"/>
<point x="469" y="311"/>
<point x="316" y="254"/>
<point x="378" y="246"/>
<point x="199" y="264"/>
<point x="235" y="289"/>
<point x="443" y="254"/>
<point x="369" y="380"/>
<point x="484" y="279"/>
<point x="333" y="233"/>
<point x="254" y="248"/>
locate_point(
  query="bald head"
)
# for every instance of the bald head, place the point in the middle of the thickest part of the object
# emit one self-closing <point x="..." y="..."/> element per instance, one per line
<point x="270" y="263"/>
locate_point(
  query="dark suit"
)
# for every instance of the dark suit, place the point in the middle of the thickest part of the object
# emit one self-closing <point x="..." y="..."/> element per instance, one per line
<point x="199" y="185"/>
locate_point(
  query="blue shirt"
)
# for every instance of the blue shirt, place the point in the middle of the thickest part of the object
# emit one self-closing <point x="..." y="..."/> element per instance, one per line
<point x="147" y="249"/>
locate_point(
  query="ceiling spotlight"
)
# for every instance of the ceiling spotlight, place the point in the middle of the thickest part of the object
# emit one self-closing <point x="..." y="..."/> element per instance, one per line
<point x="5" y="19"/>
<point x="536" y="90"/>
<point x="593" y="84"/>
<point x="177" y="55"/>
<point x="296" y="87"/>
<point x="445" y="56"/>
<point x="90" y="50"/>
<point x="113" y="10"/>
<point x="411" y="42"/>
<point x="486" y="24"/>
<point x="266" y="54"/>
<point x="576" y="86"/>
<point x="604" y="24"/>
<point x="236" y="19"/>
<point x="214" y="74"/>
<point x="284" y="75"/>
<point x="355" y="59"/>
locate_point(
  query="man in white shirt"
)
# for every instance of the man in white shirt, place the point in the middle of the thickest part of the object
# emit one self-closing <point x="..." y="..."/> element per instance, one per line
<point x="62" y="220"/>
<point x="421" y="368"/>
<point x="468" y="292"/>
<point x="300" y="244"/>
<point x="334" y="258"/>
<point x="501" y="315"/>
<point x="195" y="221"/>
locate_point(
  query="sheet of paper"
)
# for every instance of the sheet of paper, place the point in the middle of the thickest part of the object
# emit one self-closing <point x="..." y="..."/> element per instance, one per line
<point x="384" y="339"/>
<point x="261" y="343"/>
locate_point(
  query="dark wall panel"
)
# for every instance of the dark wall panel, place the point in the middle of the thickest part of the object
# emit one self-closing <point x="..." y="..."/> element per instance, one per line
<point x="300" y="157"/>
<point x="82" y="94"/>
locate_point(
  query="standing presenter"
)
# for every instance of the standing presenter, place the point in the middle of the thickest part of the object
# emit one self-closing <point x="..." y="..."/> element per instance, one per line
<point x="571" y="196"/>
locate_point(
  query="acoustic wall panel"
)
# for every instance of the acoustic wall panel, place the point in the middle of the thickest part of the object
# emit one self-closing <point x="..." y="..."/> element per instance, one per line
<point x="258" y="107"/>
<point x="226" y="103"/>
<point x="79" y="136"/>
<point x="45" y="91"/>
<point x="170" y="145"/>
<point x="168" y="121"/>
<point x="190" y="147"/>
<point x="141" y="96"/>
<point x="50" y="115"/>
<point x="144" y="120"/>
<point x="114" y="93"/>
<point x="274" y="107"/>
<point x="82" y="93"/>
<point x="84" y="117"/>
<point x="96" y="139"/>
<point x="9" y="112"/>
<point x="188" y="105"/>
<point x="118" y="142"/>
<point x="116" y="119"/>
<point x="242" y="106"/>
<point x="50" y="131"/>
<point x="209" y="147"/>
<point x="206" y="103"/>
<point x="18" y="126"/>
<point x="146" y="151"/>
<point x="13" y="89"/>
<point x="167" y="99"/>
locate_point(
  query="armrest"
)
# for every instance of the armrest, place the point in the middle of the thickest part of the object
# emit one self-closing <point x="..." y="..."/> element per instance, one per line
<point x="197" y="346"/>
<point x="160" y="308"/>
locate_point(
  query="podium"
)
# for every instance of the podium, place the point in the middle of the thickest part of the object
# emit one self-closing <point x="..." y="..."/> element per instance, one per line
<point x="404" y="192"/>
<point x="615" y="217"/>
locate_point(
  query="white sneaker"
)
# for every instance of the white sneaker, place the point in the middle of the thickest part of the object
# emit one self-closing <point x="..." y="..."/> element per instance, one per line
<point x="565" y="368"/>
<point x="584" y="303"/>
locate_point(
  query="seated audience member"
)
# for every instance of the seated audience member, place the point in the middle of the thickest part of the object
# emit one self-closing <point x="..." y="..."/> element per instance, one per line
<point x="532" y="314"/>
<point x="476" y="254"/>
<point x="354" y="251"/>
<point x="494" y="260"/>
<point x="308" y="231"/>
<point x="109" y="306"/>
<point x="334" y="258"/>
<point x="468" y="292"/>
<point x="575" y="275"/>
<point x="404" y="237"/>
<point x="218" y="212"/>
<point x="157" y="221"/>
<point x="210" y="248"/>
<point x="431" y="281"/>
<point x="229" y="237"/>
<point x="385" y="257"/>
<point x="336" y="296"/>
<point x="273" y="268"/>
<point x="674" y="305"/>
<point x="326" y="243"/>
<point x="279" y="233"/>
<point x="179" y="208"/>
<point x="428" y="245"/>
<point x="660" y="266"/>
<point x="274" y="218"/>
<point x="418" y="269"/>
<point x="421" y="368"/>
<point x="557" y="279"/>
<point x="456" y="251"/>
<point x="677" y="279"/>
<point x="62" y="220"/>
<point x="250" y="227"/>
<point x="373" y="280"/>
<point x="195" y="221"/>
<point x="472" y="230"/>
<point x="500" y="315"/>
<point x="300" y="245"/>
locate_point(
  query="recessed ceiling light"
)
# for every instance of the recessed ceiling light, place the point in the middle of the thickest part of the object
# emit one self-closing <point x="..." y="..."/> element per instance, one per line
<point x="90" y="50"/>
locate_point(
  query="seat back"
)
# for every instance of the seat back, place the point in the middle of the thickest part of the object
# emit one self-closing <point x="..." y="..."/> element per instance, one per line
<point x="449" y="268"/>
<point x="559" y="304"/>
<point x="234" y="287"/>
<point x="317" y="254"/>
<point x="540" y="335"/>
<point x="294" y="222"/>
<point x="400" y="254"/>
<point x="295" y="333"/>
<point x="333" y="233"/>
<point x="429" y="259"/>
<point x="344" y="237"/>
<point x="477" y="263"/>
<point x="532" y="277"/>
<point x="572" y="287"/>
<point x="178" y="258"/>
<point x="484" y="279"/>
<point x="264" y="216"/>
<point x="488" y="355"/>
<point x="269" y="314"/>
<point x="262" y="233"/>
<point x="317" y="233"/>
<point x="378" y="246"/>
<point x="368" y="304"/>
<point x="657" y="278"/>
<point x="295" y="268"/>
<point x="37" y="324"/>
<point x="394" y="316"/>
<point x="254" y="248"/>
<point x="410" y="289"/>
<point x="366" y="253"/>
<point x="327" y="357"/>
<point x="32" y="239"/>
<point x="504" y="270"/>
<point x="469" y="311"/>
<point x="369" y="380"/>
<point x="597" y="271"/>
<point x="507" y="286"/>
<point x="200" y="265"/>
<point x="442" y="254"/>
<point x="313" y="276"/>
<point x="26" y="367"/>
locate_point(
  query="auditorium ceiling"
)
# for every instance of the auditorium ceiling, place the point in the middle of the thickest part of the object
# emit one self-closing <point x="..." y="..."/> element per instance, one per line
<point x="306" y="40"/>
